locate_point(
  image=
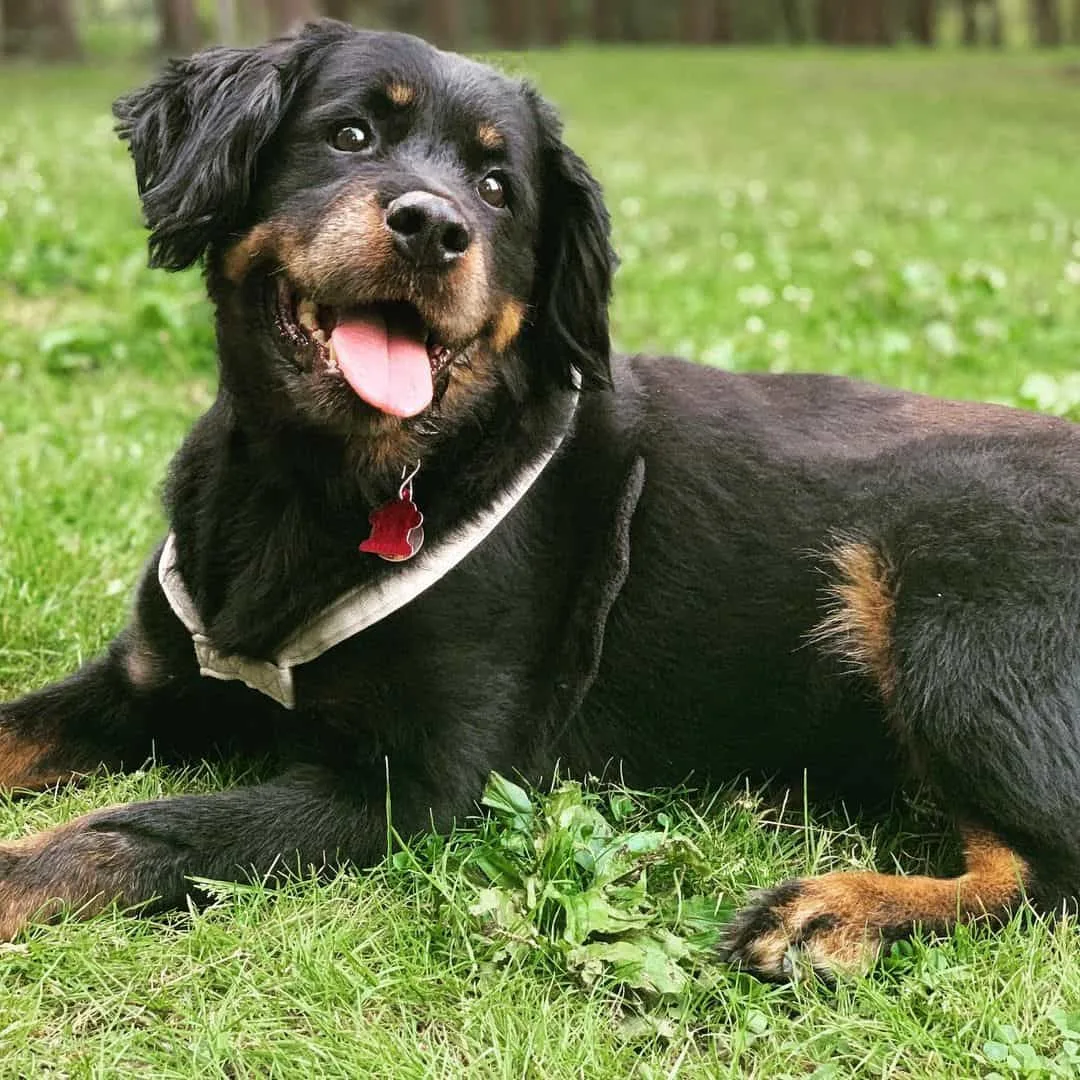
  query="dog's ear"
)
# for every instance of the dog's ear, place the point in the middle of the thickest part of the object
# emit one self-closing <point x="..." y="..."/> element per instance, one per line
<point x="576" y="262"/>
<point x="195" y="133"/>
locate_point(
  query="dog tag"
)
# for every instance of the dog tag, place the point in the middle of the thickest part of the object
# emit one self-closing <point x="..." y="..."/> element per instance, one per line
<point x="397" y="531"/>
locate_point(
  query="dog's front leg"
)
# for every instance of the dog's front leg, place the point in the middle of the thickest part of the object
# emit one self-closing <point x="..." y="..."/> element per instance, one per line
<point x="146" y="853"/>
<point x="89" y="720"/>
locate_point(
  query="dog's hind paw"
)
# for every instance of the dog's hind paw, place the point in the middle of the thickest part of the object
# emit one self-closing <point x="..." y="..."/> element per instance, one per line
<point x="829" y="926"/>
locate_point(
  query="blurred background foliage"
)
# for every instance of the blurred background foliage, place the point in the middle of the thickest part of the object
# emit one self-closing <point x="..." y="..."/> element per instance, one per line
<point x="74" y="29"/>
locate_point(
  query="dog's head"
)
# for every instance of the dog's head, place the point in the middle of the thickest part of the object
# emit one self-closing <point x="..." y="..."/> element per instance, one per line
<point x="392" y="234"/>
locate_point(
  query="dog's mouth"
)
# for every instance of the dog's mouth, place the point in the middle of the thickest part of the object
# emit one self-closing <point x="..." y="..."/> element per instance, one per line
<point x="384" y="351"/>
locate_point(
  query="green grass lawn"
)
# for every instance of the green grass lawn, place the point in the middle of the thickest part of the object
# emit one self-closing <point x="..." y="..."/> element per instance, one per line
<point x="910" y="219"/>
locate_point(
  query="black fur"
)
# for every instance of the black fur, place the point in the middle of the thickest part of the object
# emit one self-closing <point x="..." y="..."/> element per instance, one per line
<point x="576" y="260"/>
<point x="195" y="136"/>
<point x="650" y="605"/>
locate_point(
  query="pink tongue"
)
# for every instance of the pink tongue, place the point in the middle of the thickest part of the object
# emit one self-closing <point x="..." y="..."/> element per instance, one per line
<point x="383" y="355"/>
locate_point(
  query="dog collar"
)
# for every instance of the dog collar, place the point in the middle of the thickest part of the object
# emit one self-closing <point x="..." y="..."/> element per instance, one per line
<point x="354" y="610"/>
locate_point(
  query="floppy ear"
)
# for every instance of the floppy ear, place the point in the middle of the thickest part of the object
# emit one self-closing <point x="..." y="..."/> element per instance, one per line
<point x="195" y="133"/>
<point x="576" y="262"/>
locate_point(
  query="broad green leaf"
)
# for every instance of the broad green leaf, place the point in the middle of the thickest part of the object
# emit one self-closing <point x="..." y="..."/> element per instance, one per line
<point x="590" y="913"/>
<point x="506" y="798"/>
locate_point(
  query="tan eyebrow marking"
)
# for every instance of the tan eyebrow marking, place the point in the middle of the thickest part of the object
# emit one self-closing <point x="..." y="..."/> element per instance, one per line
<point x="489" y="137"/>
<point x="401" y="94"/>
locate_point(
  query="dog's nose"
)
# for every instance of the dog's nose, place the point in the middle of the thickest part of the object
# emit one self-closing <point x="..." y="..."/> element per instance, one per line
<point x="428" y="230"/>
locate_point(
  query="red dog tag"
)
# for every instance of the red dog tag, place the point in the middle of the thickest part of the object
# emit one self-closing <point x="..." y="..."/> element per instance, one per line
<point x="397" y="530"/>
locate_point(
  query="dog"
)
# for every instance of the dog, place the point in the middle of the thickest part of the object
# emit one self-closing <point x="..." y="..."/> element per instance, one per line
<point x="432" y="527"/>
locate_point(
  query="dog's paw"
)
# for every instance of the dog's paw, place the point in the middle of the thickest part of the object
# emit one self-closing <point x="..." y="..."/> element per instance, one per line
<point x="17" y="902"/>
<point x="26" y="761"/>
<point x="831" y="925"/>
<point x="71" y="868"/>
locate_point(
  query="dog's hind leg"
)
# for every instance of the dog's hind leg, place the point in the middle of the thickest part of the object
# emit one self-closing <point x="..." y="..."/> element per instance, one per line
<point x="981" y="683"/>
<point x="841" y="922"/>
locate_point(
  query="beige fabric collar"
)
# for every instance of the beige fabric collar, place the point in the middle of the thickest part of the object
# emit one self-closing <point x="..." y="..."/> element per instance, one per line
<point x="352" y="612"/>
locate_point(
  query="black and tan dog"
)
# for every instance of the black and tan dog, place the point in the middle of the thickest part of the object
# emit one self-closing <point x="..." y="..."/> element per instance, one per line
<point x="613" y="559"/>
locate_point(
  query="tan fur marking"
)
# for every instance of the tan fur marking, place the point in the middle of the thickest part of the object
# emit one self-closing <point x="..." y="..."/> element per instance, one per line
<point x="21" y="764"/>
<point x="350" y="258"/>
<point x="855" y="910"/>
<point x="401" y="94"/>
<point x="383" y="449"/>
<point x="462" y="308"/>
<point x="507" y="324"/>
<point x="352" y="255"/>
<point x="489" y="137"/>
<point x="68" y="868"/>
<point x="352" y="242"/>
<point x="858" y="627"/>
<point x="259" y="242"/>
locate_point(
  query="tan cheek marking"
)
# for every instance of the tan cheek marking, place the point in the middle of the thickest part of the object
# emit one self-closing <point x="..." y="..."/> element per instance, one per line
<point x="352" y="249"/>
<point x="264" y="240"/>
<point x="353" y="237"/>
<point x="507" y="324"/>
<point x="489" y="137"/>
<point x="401" y="94"/>
<point x="462" y="302"/>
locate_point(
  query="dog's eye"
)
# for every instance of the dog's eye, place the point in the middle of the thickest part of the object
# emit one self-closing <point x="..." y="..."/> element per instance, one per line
<point x="354" y="138"/>
<point x="492" y="189"/>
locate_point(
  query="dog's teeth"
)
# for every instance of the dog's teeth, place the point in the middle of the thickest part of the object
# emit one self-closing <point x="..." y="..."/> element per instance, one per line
<point x="318" y="335"/>
<point x="307" y="315"/>
<point x="331" y="356"/>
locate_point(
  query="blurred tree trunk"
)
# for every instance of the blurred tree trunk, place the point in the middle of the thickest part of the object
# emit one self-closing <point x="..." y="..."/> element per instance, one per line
<point x="854" y="22"/>
<point x="1046" y="21"/>
<point x="554" y="27"/>
<point x="56" y="32"/>
<point x="694" y="21"/>
<point x="508" y="22"/>
<point x="1074" y="27"/>
<point x="922" y="21"/>
<point x="226" y="21"/>
<point x="250" y="19"/>
<point x="827" y="21"/>
<point x="442" y="19"/>
<point x="997" y="24"/>
<point x="705" y="22"/>
<point x="868" y="22"/>
<point x="793" y="23"/>
<point x="604" y="19"/>
<point x="723" y="23"/>
<point x="338" y="9"/>
<point x="19" y="20"/>
<point x="178" y="27"/>
<point x="633" y="29"/>
<point x="284" y="15"/>
<point x="969" y="14"/>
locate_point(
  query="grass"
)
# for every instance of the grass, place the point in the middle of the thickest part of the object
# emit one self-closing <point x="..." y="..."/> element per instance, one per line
<point x="911" y="219"/>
